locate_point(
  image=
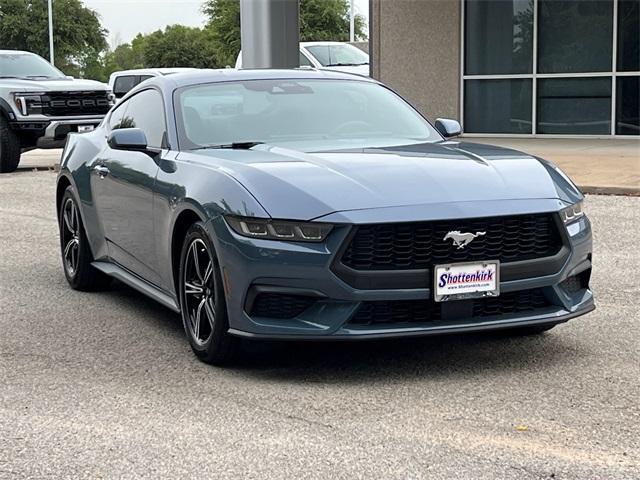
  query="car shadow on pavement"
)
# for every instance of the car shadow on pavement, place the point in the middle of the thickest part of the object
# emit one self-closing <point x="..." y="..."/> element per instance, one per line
<point x="375" y="360"/>
<point x="447" y="355"/>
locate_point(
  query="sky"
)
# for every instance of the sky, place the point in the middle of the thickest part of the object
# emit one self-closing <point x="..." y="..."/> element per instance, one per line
<point x="126" y="18"/>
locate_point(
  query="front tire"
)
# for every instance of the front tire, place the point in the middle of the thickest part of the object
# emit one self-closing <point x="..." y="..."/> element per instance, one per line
<point x="202" y="300"/>
<point x="75" y="250"/>
<point x="9" y="147"/>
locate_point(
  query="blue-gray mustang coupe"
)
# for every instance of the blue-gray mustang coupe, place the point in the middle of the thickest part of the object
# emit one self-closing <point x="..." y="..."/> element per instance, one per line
<point x="301" y="204"/>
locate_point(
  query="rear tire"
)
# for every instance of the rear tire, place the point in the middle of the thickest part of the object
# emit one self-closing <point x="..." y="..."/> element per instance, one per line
<point x="9" y="147"/>
<point x="74" y="246"/>
<point x="202" y="300"/>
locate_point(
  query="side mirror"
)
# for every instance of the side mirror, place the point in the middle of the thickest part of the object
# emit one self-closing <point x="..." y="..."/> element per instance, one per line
<point x="448" y="128"/>
<point x="132" y="139"/>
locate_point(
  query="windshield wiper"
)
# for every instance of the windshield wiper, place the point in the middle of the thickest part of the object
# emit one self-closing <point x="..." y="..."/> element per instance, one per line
<point x="231" y="146"/>
<point x="346" y="64"/>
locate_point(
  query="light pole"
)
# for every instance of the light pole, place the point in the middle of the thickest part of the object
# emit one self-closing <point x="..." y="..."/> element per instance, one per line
<point x="51" y="33"/>
<point x="352" y="23"/>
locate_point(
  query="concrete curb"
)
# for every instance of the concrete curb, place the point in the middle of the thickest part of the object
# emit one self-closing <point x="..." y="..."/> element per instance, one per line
<point x="622" y="191"/>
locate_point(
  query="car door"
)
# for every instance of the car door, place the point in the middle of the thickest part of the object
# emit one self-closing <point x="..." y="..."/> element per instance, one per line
<point x="123" y="185"/>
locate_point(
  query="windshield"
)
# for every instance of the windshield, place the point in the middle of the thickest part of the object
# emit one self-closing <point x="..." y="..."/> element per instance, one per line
<point x="27" y="65"/>
<point x="302" y="114"/>
<point x="339" y="54"/>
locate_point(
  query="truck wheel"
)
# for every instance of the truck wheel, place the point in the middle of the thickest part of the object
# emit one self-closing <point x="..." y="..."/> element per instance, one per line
<point x="9" y="147"/>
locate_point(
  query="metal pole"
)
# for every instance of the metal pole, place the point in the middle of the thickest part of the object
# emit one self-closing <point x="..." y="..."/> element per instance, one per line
<point x="270" y="33"/>
<point x="51" y="59"/>
<point x="352" y="23"/>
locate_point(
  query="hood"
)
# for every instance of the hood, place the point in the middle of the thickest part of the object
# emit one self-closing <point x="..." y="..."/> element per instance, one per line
<point x="296" y="185"/>
<point x="51" y="85"/>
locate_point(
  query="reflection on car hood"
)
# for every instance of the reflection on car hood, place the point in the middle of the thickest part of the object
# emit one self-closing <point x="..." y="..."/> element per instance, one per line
<point x="297" y="185"/>
<point x="52" y="85"/>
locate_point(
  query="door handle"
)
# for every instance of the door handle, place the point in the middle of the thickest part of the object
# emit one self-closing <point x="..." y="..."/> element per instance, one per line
<point x="101" y="170"/>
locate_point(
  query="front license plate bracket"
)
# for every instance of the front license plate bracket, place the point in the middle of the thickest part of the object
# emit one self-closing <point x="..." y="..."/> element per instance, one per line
<point x="462" y="281"/>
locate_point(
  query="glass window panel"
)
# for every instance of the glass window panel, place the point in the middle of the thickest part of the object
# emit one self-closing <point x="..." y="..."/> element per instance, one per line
<point x="304" y="61"/>
<point x="498" y="36"/>
<point x="579" y="106"/>
<point x="629" y="35"/>
<point x="575" y="36"/>
<point x="497" y="106"/>
<point x="145" y="111"/>
<point x="628" y="108"/>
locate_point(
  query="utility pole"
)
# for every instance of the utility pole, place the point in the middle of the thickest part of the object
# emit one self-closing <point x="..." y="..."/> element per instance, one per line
<point x="51" y="59"/>
<point x="270" y="33"/>
<point x="352" y="23"/>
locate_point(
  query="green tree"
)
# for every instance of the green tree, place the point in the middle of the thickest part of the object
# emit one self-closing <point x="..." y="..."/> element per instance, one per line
<point x="319" y="20"/>
<point x="224" y="29"/>
<point x="126" y="56"/>
<point x="179" y="46"/>
<point x="328" y="20"/>
<point x="77" y="33"/>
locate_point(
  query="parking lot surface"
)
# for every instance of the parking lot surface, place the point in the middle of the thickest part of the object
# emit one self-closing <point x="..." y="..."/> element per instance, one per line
<point x="104" y="385"/>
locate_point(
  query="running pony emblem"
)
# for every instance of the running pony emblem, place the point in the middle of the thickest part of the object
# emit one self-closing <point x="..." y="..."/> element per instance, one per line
<point x="461" y="240"/>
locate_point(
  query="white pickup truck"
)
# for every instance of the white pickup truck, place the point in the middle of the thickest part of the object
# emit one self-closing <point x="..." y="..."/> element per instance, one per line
<point x="40" y="105"/>
<point x="339" y="56"/>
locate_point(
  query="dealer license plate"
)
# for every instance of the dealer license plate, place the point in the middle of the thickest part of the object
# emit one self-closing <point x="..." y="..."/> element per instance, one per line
<point x="459" y="281"/>
<point x="85" y="128"/>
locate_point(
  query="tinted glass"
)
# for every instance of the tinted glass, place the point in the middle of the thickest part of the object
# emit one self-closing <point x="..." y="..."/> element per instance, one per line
<point x="26" y="65"/>
<point x="498" y="36"/>
<point x="309" y="112"/>
<point x="145" y="111"/>
<point x="304" y="61"/>
<point x="115" y="119"/>
<point x="629" y="35"/>
<point x="144" y="77"/>
<point x="497" y="106"/>
<point x="628" y="111"/>
<point x="575" y="36"/>
<point x="123" y="84"/>
<point x="338" y="54"/>
<point x="574" y="106"/>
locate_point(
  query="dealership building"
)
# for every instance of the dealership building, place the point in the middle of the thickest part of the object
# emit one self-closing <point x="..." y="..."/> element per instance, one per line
<point x="514" y="67"/>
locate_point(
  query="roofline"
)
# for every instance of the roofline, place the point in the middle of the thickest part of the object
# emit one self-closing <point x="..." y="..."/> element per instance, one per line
<point x="17" y="51"/>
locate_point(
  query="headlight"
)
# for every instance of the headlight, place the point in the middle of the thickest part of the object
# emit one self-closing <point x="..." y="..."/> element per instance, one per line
<point x="572" y="213"/>
<point x="279" y="229"/>
<point x="28" y="103"/>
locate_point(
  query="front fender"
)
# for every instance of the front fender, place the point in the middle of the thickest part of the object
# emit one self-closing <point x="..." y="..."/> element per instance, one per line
<point x="184" y="187"/>
<point x="79" y="152"/>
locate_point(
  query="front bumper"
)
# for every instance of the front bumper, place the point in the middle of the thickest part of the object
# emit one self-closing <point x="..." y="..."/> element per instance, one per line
<point x="251" y="265"/>
<point x="46" y="132"/>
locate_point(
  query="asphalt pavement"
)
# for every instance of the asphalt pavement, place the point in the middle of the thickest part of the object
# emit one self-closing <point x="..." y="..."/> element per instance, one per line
<point x="104" y="385"/>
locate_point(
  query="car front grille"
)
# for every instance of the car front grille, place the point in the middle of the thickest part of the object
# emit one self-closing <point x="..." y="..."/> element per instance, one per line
<point x="419" y="245"/>
<point x="65" y="104"/>
<point x="394" y="312"/>
<point x="280" y="305"/>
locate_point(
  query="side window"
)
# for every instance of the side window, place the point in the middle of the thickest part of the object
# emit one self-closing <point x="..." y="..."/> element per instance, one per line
<point x="123" y="84"/>
<point x="115" y="119"/>
<point x="142" y="78"/>
<point x="304" y="61"/>
<point x="146" y="112"/>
